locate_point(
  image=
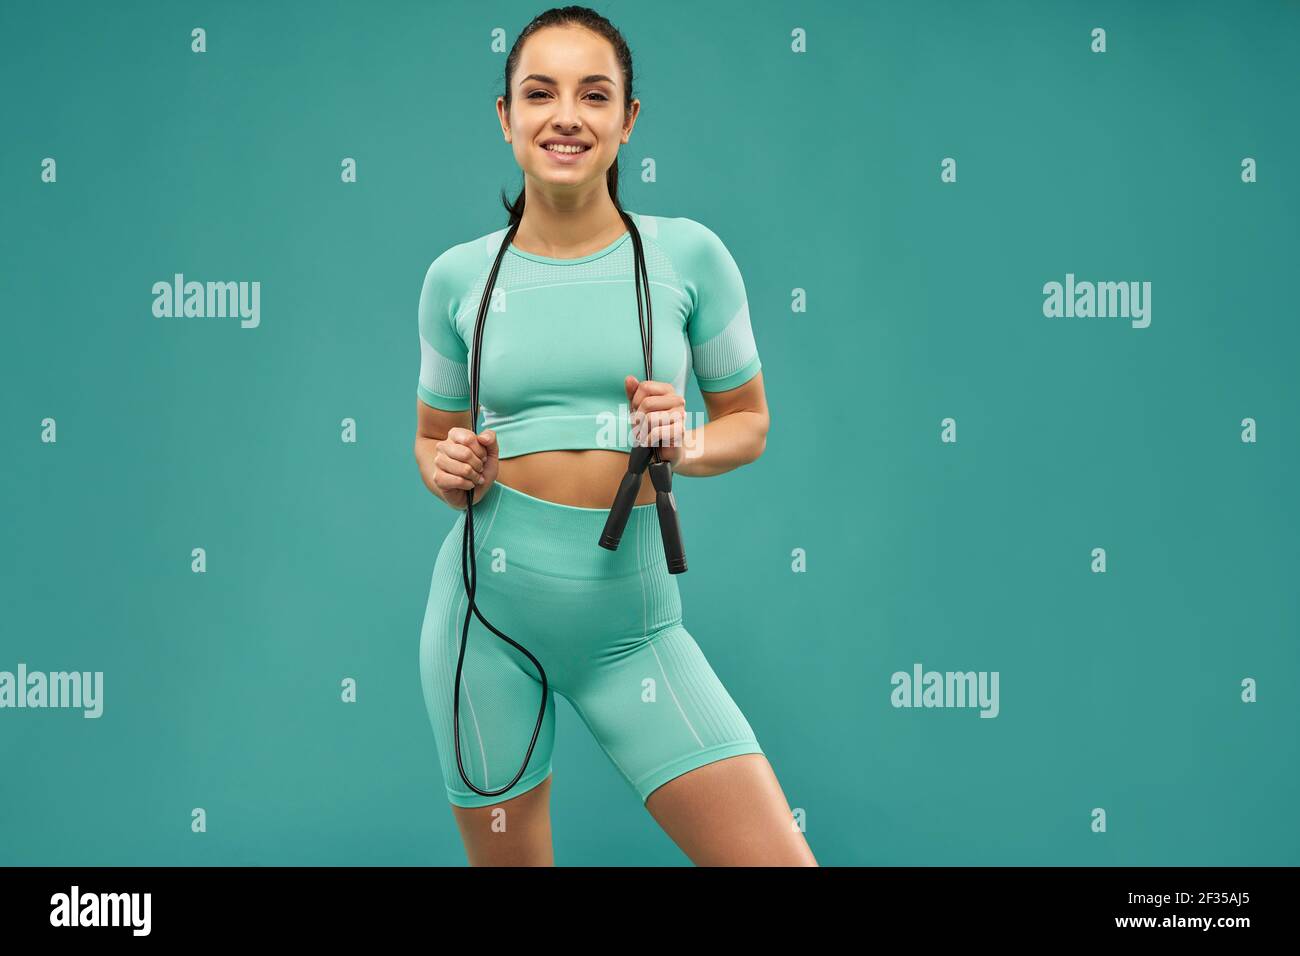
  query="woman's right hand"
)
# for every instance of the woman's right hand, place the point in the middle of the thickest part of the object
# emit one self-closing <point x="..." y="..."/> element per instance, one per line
<point x="464" y="461"/>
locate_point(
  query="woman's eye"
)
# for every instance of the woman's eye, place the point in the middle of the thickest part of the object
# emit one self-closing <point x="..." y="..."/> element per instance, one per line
<point x="535" y="93"/>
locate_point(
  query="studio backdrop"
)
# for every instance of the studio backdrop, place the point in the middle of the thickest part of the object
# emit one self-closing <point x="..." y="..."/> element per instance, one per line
<point x="1014" y="582"/>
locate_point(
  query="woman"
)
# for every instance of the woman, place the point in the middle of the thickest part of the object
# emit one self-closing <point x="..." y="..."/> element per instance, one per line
<point x="561" y="338"/>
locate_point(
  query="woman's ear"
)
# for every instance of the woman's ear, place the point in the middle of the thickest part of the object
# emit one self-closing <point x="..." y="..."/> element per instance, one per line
<point x="503" y="116"/>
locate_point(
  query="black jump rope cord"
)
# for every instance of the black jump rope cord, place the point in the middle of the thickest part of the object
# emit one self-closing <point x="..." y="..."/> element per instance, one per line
<point x="468" y="564"/>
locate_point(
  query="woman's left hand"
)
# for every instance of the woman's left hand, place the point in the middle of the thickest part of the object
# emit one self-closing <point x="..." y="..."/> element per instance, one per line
<point x="658" y="416"/>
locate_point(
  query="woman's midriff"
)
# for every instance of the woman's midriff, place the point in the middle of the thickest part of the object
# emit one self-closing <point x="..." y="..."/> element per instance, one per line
<point x="583" y="478"/>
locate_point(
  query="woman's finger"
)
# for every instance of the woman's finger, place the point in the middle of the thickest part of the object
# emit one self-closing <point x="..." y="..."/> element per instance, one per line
<point x="664" y="417"/>
<point x="444" y="479"/>
<point x="657" y="403"/>
<point x="463" y="436"/>
<point x="671" y="434"/>
<point x="461" y="453"/>
<point x="461" y="468"/>
<point x="649" y="389"/>
<point x="656" y="419"/>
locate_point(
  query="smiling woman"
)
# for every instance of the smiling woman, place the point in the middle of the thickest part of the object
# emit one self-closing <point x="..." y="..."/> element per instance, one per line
<point x="549" y="308"/>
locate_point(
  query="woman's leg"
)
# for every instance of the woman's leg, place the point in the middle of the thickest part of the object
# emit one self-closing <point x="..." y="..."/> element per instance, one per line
<point x="731" y="813"/>
<point x="671" y="728"/>
<point x="500" y="695"/>
<point x="516" y="832"/>
<point x="655" y="704"/>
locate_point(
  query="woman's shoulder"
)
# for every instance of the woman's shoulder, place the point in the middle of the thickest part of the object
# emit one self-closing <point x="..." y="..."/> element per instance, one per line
<point x="683" y="238"/>
<point x="680" y="229"/>
<point x="693" y="247"/>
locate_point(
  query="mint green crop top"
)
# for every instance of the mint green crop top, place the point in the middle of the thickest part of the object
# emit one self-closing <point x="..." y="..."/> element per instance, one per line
<point x="561" y="334"/>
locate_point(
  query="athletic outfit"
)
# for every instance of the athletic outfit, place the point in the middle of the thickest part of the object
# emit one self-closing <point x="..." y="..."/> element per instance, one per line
<point x="560" y="336"/>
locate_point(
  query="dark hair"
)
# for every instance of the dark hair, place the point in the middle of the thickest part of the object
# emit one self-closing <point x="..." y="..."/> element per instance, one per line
<point x="583" y="17"/>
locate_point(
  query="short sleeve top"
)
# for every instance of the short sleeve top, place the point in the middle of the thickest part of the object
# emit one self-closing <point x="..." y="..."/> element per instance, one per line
<point x="560" y="335"/>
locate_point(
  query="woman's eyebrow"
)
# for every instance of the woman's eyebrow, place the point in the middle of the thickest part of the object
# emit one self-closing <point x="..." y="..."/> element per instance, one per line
<point x="593" y="78"/>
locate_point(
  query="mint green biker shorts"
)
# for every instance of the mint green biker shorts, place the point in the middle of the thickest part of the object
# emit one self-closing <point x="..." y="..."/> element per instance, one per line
<point x="606" y="626"/>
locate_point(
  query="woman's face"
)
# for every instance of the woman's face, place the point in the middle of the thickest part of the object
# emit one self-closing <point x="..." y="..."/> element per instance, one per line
<point x="568" y="87"/>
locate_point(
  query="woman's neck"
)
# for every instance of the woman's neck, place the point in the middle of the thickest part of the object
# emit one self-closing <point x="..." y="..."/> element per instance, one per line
<point x="568" y="233"/>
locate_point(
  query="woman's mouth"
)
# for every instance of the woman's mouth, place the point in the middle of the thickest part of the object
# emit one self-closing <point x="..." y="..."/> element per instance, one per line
<point x="567" y="155"/>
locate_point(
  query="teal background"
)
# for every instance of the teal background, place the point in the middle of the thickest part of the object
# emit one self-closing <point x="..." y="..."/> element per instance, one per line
<point x="820" y="171"/>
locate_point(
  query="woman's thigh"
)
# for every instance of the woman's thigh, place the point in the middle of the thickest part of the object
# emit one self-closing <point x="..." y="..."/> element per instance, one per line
<point x="731" y="813"/>
<point x="515" y="832"/>
<point x="658" y="709"/>
<point x="485" y="730"/>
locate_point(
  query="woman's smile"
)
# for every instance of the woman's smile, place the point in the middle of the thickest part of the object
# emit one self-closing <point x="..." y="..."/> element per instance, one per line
<point x="566" y="155"/>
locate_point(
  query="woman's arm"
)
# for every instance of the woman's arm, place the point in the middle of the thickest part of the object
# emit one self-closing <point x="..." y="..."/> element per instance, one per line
<point x="432" y="426"/>
<point x="735" y="434"/>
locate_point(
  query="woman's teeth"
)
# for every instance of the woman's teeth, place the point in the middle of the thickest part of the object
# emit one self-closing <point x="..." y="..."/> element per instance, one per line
<point x="558" y="148"/>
